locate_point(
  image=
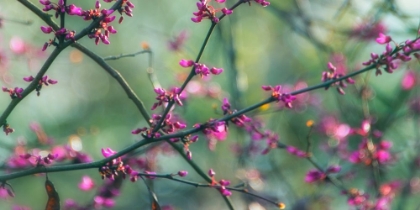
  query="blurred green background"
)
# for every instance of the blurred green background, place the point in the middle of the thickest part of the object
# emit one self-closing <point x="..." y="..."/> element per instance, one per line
<point x="285" y="43"/>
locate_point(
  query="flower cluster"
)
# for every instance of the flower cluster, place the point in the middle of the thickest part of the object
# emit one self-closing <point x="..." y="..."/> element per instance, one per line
<point x="367" y="153"/>
<point x="100" y="32"/>
<point x="279" y="96"/>
<point x="103" y="29"/>
<point x="386" y="195"/>
<point x="315" y="175"/>
<point x="169" y="125"/>
<point x="13" y="92"/>
<point x="333" y="74"/>
<point x="60" y="8"/>
<point x="63" y="32"/>
<point x="43" y="81"/>
<point x="221" y="184"/>
<point x="206" y="11"/>
<point x="113" y="168"/>
<point x="164" y="96"/>
<point x="200" y="69"/>
<point x="7" y="129"/>
<point x="390" y="57"/>
<point x="238" y="121"/>
<point x="38" y="160"/>
<point x="296" y="152"/>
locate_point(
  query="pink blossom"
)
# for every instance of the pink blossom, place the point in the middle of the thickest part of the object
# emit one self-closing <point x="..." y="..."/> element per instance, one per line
<point x="46" y="29"/>
<point x="108" y="152"/>
<point x="383" y="39"/>
<point x="409" y="80"/>
<point x="28" y="79"/>
<point x="186" y="63"/>
<point x="102" y="201"/>
<point x="182" y="173"/>
<point x="227" y="11"/>
<point x="86" y="184"/>
<point x="314" y="175"/>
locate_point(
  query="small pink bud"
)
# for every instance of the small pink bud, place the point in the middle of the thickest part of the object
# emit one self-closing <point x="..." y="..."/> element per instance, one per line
<point x="227" y="11"/>
<point x="216" y="71"/>
<point x="383" y="39"/>
<point x="182" y="173"/>
<point x="45" y="46"/>
<point x="112" y="30"/>
<point x="189" y="155"/>
<point x="197" y="19"/>
<point x="211" y="173"/>
<point x="194" y="138"/>
<point x="97" y="4"/>
<point x="52" y="82"/>
<point x="28" y="79"/>
<point x="186" y="63"/>
<point x="46" y="29"/>
<point x="224" y="182"/>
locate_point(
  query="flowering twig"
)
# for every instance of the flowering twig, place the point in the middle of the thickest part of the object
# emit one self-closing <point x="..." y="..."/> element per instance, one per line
<point x="196" y="184"/>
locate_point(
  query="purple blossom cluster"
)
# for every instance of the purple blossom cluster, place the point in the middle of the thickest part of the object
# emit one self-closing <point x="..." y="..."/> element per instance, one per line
<point x="333" y="74"/>
<point x="163" y="97"/>
<point x="200" y="69"/>
<point x="206" y="11"/>
<point x="278" y="95"/>
<point x="43" y="81"/>
<point x="100" y="32"/>
<point x="391" y="58"/>
<point x="171" y="124"/>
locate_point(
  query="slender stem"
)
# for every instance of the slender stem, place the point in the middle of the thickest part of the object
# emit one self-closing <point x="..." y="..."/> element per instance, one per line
<point x="117" y="76"/>
<point x="126" y="55"/>
<point x="31" y="87"/>
<point x="195" y="184"/>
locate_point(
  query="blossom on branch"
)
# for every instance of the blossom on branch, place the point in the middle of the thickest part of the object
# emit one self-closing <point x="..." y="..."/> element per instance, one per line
<point x="276" y="94"/>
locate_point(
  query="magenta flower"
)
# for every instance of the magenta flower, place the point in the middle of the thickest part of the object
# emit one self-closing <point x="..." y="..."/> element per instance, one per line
<point x="103" y="202"/>
<point x="182" y="173"/>
<point x="186" y="63"/>
<point x="46" y="29"/>
<point x="279" y="96"/>
<point x="383" y="39"/>
<point x="224" y="182"/>
<point x="333" y="169"/>
<point x="74" y="10"/>
<point x="216" y="71"/>
<point x="227" y="11"/>
<point x="86" y="184"/>
<point x="263" y="3"/>
<point x="163" y="97"/>
<point x="409" y="80"/>
<point x="225" y="192"/>
<point x="314" y="175"/>
<point x="108" y="152"/>
<point x="296" y="152"/>
<point x="28" y="79"/>
<point x="383" y="156"/>
<point x="211" y="172"/>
